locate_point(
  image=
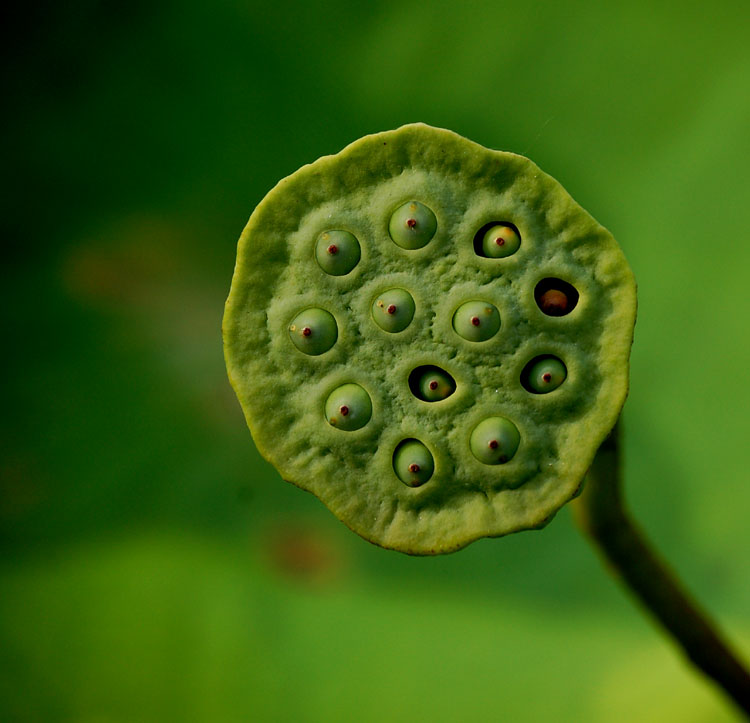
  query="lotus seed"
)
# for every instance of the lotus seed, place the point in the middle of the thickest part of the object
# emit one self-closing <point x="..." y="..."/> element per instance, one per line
<point x="393" y="310"/>
<point x="553" y="302"/>
<point x="495" y="440"/>
<point x="337" y="252"/>
<point x="413" y="463"/>
<point x="555" y="297"/>
<point x="433" y="384"/>
<point x="500" y="241"/>
<point x="348" y="407"/>
<point x="412" y="225"/>
<point x="476" y="320"/>
<point x="544" y="375"/>
<point x="313" y="331"/>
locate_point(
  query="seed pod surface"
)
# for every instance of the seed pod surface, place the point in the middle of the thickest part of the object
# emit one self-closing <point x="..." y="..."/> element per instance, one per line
<point x="416" y="200"/>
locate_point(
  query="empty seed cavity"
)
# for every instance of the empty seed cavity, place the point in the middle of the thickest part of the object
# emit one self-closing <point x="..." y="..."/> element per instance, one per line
<point x="413" y="463"/>
<point x="337" y="252"/>
<point x="431" y="384"/>
<point x="497" y="239"/>
<point x="348" y="407"/>
<point x="555" y="297"/>
<point x="393" y="310"/>
<point x="495" y="440"/>
<point x="313" y="331"/>
<point x="412" y="225"/>
<point x="543" y="374"/>
<point x="476" y="320"/>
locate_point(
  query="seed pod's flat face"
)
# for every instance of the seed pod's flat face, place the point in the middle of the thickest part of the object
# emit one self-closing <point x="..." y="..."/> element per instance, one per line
<point x="284" y="380"/>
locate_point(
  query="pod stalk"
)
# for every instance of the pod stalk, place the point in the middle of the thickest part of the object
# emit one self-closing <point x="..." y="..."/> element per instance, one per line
<point x="601" y="515"/>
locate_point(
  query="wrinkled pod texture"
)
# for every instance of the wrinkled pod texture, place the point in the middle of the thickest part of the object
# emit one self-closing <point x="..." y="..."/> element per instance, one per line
<point x="414" y="258"/>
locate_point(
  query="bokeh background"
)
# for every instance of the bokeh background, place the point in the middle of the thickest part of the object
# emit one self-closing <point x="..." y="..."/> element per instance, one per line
<point x="153" y="567"/>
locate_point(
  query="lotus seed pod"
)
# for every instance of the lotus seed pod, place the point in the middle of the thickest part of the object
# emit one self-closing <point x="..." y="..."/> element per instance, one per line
<point x="434" y="385"/>
<point x="457" y="188"/>
<point x="337" y="252"/>
<point x="348" y="407"/>
<point x="393" y="310"/>
<point x="412" y="225"/>
<point x="544" y="375"/>
<point x="495" y="440"/>
<point x="476" y="320"/>
<point x="501" y="241"/>
<point x="413" y="463"/>
<point x="313" y="331"/>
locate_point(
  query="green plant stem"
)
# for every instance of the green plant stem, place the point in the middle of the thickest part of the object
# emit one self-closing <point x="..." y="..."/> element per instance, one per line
<point x="601" y="514"/>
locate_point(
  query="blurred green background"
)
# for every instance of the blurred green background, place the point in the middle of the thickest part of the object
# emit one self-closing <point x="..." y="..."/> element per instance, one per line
<point x="154" y="568"/>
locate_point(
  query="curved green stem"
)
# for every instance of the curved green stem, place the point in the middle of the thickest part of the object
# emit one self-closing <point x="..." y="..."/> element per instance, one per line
<point x="601" y="514"/>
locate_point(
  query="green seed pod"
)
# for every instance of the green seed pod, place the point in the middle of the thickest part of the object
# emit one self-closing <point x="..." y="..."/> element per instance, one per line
<point x="313" y="331"/>
<point x="476" y="320"/>
<point x="337" y="252"/>
<point x="393" y="310"/>
<point x="284" y="393"/>
<point x="495" y="440"/>
<point x="348" y="407"/>
<point x="501" y="241"/>
<point x="413" y="463"/>
<point x="544" y="375"/>
<point x="433" y="384"/>
<point x="412" y="225"/>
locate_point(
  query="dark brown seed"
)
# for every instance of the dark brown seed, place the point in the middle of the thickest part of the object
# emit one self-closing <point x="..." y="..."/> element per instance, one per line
<point x="553" y="302"/>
